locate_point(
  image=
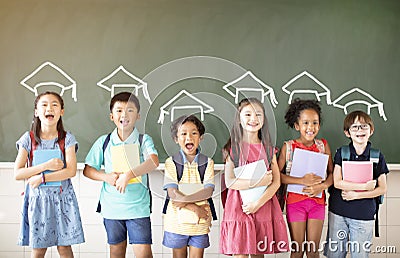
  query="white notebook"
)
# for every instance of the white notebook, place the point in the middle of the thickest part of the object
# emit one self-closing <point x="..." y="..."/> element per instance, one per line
<point x="255" y="170"/>
<point x="186" y="216"/>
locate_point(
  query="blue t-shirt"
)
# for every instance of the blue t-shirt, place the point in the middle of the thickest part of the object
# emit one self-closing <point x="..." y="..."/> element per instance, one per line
<point x="361" y="209"/>
<point x="135" y="202"/>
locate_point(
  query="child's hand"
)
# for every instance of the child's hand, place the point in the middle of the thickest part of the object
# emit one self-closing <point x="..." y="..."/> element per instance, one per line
<point x="54" y="164"/>
<point x="370" y="185"/>
<point x="250" y="208"/>
<point x="201" y="211"/>
<point x="179" y="205"/>
<point x="313" y="190"/>
<point x="35" y="181"/>
<point x="349" y="195"/>
<point x="266" y="180"/>
<point x="121" y="183"/>
<point x="311" y="179"/>
<point x="111" y="178"/>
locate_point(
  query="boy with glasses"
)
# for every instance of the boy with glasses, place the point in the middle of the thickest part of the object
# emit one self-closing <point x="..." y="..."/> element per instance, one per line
<point x="352" y="205"/>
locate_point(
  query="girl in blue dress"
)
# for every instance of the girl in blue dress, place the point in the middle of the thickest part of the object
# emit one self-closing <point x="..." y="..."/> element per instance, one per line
<point x="50" y="214"/>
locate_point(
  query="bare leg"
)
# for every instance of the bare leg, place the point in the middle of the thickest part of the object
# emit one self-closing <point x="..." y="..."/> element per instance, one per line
<point x="142" y="251"/>
<point x="65" y="251"/>
<point x="195" y="252"/>
<point x="179" y="252"/>
<point x="314" y="231"/>
<point x="38" y="252"/>
<point x="118" y="250"/>
<point x="297" y="234"/>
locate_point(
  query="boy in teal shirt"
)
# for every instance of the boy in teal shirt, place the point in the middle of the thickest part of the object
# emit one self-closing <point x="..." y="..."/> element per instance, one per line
<point x="124" y="207"/>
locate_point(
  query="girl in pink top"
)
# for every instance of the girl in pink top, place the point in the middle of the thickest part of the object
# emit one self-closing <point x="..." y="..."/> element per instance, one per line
<point x="255" y="228"/>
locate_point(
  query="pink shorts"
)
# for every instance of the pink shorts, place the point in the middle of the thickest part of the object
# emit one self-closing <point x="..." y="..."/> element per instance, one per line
<point x="305" y="210"/>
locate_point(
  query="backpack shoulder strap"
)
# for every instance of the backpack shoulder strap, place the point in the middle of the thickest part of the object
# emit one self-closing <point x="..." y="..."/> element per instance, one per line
<point x="140" y="139"/>
<point x="106" y="141"/>
<point x="33" y="147"/>
<point x="61" y="144"/>
<point x="148" y="178"/>
<point x="289" y="156"/>
<point x="320" y="145"/>
<point x="178" y="161"/>
<point x="202" y="165"/>
<point x="374" y="155"/>
<point x="345" y="152"/>
<point x="105" y="144"/>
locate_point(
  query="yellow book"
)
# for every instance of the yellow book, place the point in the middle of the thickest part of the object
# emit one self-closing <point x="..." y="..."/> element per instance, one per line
<point x="125" y="157"/>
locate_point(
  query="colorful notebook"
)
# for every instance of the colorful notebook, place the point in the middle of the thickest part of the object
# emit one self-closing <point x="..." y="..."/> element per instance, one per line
<point x="305" y="162"/>
<point x="357" y="171"/>
<point x="42" y="156"/>
<point x="125" y="157"/>
<point x="255" y="171"/>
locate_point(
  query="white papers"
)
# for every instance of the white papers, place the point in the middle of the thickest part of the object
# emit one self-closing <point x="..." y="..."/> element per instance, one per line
<point x="125" y="157"/>
<point x="255" y="171"/>
<point x="305" y="162"/>
<point x="186" y="216"/>
<point x="188" y="189"/>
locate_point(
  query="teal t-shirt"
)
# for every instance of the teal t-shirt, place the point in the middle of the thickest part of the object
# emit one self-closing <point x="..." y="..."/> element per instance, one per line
<point x="135" y="202"/>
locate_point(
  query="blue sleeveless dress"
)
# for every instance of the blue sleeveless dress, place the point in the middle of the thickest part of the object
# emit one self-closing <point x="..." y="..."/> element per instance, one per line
<point x="50" y="215"/>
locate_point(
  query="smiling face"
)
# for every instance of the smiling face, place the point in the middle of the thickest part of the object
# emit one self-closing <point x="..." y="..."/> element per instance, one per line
<point x="49" y="110"/>
<point x="359" y="132"/>
<point x="124" y="115"/>
<point x="308" y="126"/>
<point x="252" y="118"/>
<point x="188" y="137"/>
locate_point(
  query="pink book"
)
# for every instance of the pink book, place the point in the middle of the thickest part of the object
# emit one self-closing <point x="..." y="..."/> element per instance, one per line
<point x="357" y="171"/>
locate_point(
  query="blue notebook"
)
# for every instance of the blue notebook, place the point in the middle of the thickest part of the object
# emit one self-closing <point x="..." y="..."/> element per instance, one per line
<point x="41" y="156"/>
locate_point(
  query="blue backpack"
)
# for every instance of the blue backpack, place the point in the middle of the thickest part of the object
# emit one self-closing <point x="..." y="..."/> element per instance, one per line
<point x="105" y="144"/>
<point x="202" y="165"/>
<point x="374" y="157"/>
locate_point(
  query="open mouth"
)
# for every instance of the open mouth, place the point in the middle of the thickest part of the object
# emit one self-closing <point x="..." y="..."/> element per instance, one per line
<point x="49" y="116"/>
<point x="124" y="122"/>
<point x="189" y="146"/>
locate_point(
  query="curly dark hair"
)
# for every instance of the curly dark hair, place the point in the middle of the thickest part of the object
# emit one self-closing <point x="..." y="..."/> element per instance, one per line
<point x="184" y="119"/>
<point x="297" y="106"/>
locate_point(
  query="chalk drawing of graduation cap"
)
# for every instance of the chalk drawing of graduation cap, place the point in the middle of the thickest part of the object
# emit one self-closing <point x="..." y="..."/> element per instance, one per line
<point x="69" y="85"/>
<point x="169" y="107"/>
<point x="250" y="83"/>
<point x="349" y="98"/>
<point x="136" y="84"/>
<point x="318" y="91"/>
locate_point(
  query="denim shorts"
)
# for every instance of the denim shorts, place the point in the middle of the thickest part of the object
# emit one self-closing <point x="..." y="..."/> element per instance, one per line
<point x="346" y="235"/>
<point x="139" y="230"/>
<point x="172" y="240"/>
<point x="305" y="210"/>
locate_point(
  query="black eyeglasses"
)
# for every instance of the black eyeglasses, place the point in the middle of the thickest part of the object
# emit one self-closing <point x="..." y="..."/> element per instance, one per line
<point x="355" y="128"/>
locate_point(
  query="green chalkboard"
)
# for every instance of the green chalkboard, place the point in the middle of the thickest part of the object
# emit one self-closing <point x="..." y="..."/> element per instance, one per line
<point x="201" y="57"/>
